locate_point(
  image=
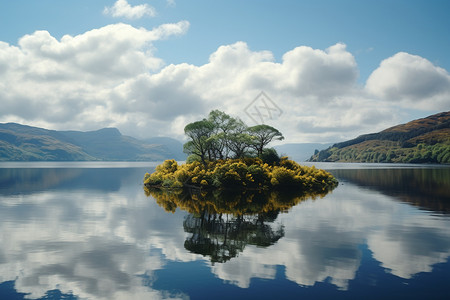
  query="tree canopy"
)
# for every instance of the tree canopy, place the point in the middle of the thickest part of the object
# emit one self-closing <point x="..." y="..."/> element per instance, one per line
<point x="221" y="136"/>
<point x="200" y="135"/>
<point x="263" y="135"/>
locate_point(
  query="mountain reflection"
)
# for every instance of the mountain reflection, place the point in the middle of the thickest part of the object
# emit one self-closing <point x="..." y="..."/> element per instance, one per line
<point x="31" y="180"/>
<point x="428" y="188"/>
<point x="222" y="223"/>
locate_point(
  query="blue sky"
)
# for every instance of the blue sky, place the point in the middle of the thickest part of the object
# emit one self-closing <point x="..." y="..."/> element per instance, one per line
<point x="408" y="86"/>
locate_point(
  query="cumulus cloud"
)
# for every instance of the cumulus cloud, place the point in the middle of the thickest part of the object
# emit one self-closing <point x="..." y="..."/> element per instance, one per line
<point x="411" y="80"/>
<point x="122" y="9"/>
<point x="323" y="74"/>
<point x="71" y="77"/>
<point x="110" y="76"/>
<point x="307" y="81"/>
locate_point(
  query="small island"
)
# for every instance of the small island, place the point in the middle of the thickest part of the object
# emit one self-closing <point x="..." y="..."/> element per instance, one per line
<point x="224" y="153"/>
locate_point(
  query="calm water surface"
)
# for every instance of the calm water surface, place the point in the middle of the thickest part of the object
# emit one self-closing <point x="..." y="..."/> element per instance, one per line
<point x="89" y="231"/>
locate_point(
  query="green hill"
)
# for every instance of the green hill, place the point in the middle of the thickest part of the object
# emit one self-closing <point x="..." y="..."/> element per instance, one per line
<point x="26" y="143"/>
<point x="424" y="140"/>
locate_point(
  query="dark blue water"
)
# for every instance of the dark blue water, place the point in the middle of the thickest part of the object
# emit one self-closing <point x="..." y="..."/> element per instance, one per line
<point x="88" y="231"/>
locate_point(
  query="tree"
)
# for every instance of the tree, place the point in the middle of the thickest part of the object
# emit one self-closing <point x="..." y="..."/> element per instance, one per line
<point x="239" y="140"/>
<point x="222" y="136"/>
<point x="230" y="138"/>
<point x="223" y="126"/>
<point x="200" y="133"/>
<point x="263" y="135"/>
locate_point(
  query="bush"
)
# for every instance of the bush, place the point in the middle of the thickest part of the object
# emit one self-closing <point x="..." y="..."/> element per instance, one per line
<point x="283" y="177"/>
<point x="270" y="156"/>
<point x="249" y="173"/>
<point x="168" y="166"/>
<point x="192" y="158"/>
<point x="258" y="176"/>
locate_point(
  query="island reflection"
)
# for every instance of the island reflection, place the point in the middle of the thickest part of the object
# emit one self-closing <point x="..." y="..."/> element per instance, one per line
<point x="223" y="222"/>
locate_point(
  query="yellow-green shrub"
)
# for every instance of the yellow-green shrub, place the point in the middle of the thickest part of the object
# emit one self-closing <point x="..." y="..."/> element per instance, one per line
<point x="168" y="166"/>
<point x="283" y="177"/>
<point x="240" y="173"/>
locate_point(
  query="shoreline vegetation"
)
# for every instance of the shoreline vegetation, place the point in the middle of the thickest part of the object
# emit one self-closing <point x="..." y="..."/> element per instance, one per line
<point x="425" y="140"/>
<point x="225" y="154"/>
<point x="240" y="174"/>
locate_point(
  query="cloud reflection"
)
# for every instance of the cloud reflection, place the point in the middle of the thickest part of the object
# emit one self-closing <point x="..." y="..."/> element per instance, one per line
<point x="93" y="244"/>
<point x="103" y="244"/>
<point x="323" y="238"/>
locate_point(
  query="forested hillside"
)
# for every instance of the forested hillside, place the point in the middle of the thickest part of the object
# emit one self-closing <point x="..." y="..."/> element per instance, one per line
<point x="424" y="140"/>
<point x="25" y="143"/>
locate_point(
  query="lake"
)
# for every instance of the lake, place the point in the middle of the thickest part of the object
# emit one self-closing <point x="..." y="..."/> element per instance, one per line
<point x="90" y="231"/>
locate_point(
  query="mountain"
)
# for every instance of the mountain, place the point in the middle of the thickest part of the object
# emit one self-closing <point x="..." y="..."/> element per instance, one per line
<point x="174" y="147"/>
<point x="300" y="151"/>
<point x="26" y="143"/>
<point x="424" y="140"/>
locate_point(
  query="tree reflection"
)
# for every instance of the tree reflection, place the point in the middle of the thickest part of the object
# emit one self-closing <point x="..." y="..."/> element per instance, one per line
<point x="222" y="237"/>
<point x="222" y="223"/>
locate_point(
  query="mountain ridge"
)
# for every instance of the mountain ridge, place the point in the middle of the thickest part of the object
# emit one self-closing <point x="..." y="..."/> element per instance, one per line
<point x="425" y="140"/>
<point x="27" y="143"/>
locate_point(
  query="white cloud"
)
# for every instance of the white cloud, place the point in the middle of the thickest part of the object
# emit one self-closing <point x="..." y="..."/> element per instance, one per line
<point x="411" y="80"/>
<point x="70" y="78"/>
<point x="307" y="82"/>
<point x="123" y="9"/>
<point x="111" y="77"/>
<point x="320" y="73"/>
<point x="171" y="3"/>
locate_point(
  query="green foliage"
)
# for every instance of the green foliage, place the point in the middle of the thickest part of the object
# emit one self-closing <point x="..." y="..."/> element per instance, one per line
<point x="200" y="133"/>
<point x="221" y="136"/>
<point x="420" y="141"/>
<point x="391" y="152"/>
<point x="193" y="157"/>
<point x="257" y="175"/>
<point x="270" y="156"/>
<point x="248" y="173"/>
<point x="214" y="141"/>
<point x="263" y="135"/>
<point x="168" y="166"/>
<point x="283" y="177"/>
